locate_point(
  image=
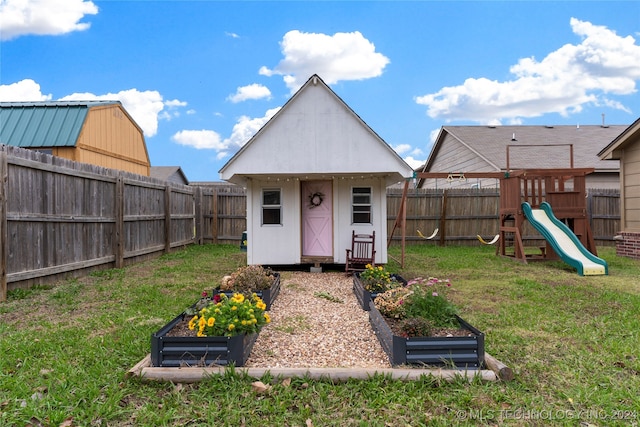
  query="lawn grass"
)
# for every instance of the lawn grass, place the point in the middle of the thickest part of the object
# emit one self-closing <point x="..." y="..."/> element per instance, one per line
<point x="572" y="341"/>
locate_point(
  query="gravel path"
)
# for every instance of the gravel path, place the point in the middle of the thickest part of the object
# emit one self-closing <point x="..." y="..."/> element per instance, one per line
<point x="307" y="330"/>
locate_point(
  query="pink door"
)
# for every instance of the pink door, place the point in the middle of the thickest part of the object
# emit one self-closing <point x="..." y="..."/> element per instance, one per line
<point x="317" y="224"/>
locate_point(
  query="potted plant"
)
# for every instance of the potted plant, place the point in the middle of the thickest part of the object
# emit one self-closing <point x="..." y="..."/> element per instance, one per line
<point x="417" y="324"/>
<point x="372" y="281"/>
<point x="252" y="279"/>
<point x="214" y="331"/>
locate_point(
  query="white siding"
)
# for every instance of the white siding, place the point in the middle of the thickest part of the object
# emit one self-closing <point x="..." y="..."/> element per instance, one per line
<point x="272" y="244"/>
<point x="315" y="133"/>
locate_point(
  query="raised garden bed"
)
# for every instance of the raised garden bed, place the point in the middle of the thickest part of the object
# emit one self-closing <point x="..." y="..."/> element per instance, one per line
<point x="462" y="352"/>
<point x="268" y="296"/>
<point x="177" y="351"/>
<point x="364" y="296"/>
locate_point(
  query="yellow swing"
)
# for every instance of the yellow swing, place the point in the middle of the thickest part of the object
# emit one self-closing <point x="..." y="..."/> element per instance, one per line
<point x="490" y="242"/>
<point x="480" y="238"/>
<point x="435" y="232"/>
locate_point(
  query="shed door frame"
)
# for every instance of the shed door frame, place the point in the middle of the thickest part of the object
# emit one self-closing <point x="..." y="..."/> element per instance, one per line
<point x="316" y="206"/>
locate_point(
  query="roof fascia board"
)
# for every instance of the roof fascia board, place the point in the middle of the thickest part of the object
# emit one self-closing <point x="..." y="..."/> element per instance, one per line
<point x="608" y="153"/>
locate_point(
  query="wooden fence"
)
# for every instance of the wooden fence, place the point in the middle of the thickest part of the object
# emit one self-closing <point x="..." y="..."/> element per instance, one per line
<point x="463" y="214"/>
<point x="60" y="218"/>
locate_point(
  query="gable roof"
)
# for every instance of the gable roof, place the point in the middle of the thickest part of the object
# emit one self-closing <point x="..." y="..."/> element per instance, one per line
<point x="613" y="150"/>
<point x="489" y="144"/>
<point x="44" y="124"/>
<point x="313" y="134"/>
<point x="169" y="173"/>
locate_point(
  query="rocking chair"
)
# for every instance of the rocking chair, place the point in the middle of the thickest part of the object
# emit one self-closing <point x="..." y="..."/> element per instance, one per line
<point x="362" y="252"/>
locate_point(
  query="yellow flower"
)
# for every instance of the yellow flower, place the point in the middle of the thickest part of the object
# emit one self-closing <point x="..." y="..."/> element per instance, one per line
<point x="201" y="334"/>
<point x="244" y="323"/>
<point x="267" y="317"/>
<point x="231" y="327"/>
<point x="211" y="321"/>
<point x="239" y="298"/>
<point x="234" y="308"/>
<point x="261" y="305"/>
<point x="192" y="323"/>
<point x="202" y="322"/>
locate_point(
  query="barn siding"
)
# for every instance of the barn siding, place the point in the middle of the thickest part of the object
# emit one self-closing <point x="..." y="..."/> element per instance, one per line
<point x="109" y="138"/>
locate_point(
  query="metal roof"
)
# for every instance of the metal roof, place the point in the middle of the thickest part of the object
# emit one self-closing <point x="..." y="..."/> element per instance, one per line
<point x="44" y="124"/>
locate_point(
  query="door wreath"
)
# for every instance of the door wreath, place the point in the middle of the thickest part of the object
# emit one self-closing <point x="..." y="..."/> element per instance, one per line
<point x="315" y="199"/>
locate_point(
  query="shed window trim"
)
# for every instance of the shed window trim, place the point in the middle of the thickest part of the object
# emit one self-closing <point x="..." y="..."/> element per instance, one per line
<point x="361" y="210"/>
<point x="271" y="206"/>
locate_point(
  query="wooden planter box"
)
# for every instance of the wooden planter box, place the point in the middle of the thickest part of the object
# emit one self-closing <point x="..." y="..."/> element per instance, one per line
<point x="364" y="296"/>
<point x="268" y="295"/>
<point x="462" y="352"/>
<point x="198" y="351"/>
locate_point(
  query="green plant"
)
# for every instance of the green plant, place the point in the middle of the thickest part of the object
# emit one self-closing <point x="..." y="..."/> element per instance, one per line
<point x="416" y="327"/>
<point x="428" y="300"/>
<point x="421" y="298"/>
<point x="328" y="297"/>
<point x="391" y="303"/>
<point x="378" y="279"/>
<point x="224" y="316"/>
<point x="248" y="279"/>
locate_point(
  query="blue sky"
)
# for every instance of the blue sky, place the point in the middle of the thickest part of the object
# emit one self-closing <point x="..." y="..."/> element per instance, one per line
<point x="201" y="77"/>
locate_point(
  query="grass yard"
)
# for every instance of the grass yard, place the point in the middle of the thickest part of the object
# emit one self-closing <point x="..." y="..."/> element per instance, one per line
<point x="572" y="341"/>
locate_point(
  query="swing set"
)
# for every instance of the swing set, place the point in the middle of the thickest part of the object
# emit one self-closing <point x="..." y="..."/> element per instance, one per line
<point x="450" y="177"/>
<point x="562" y="188"/>
<point x="460" y="177"/>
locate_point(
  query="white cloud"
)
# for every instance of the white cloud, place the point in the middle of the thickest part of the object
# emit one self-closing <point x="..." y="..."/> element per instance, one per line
<point x="22" y="91"/>
<point x="200" y="139"/>
<point x="246" y="127"/>
<point x="563" y="82"/>
<point x="402" y="148"/>
<point x="414" y="163"/>
<point x="144" y="107"/>
<point x="43" y="17"/>
<point x="232" y="35"/>
<point x="252" y="91"/>
<point x="342" y="56"/>
<point x="174" y="103"/>
<point x="242" y="132"/>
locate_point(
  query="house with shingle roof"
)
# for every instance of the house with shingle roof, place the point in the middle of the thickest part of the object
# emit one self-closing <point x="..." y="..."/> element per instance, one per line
<point x="170" y="174"/>
<point x="101" y="133"/>
<point x="625" y="149"/>
<point x="460" y="149"/>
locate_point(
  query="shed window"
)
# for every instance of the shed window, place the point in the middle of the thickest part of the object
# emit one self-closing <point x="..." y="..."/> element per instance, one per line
<point x="361" y="205"/>
<point x="271" y="206"/>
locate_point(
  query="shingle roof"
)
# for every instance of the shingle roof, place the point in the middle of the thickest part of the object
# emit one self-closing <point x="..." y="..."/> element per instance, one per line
<point x="44" y="124"/>
<point x="169" y="173"/>
<point x="491" y="143"/>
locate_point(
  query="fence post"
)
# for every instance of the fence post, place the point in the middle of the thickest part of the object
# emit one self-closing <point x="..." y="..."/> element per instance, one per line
<point x="214" y="220"/>
<point x="443" y="217"/>
<point x="3" y="225"/>
<point x="167" y="218"/>
<point x="199" y="220"/>
<point x="119" y="221"/>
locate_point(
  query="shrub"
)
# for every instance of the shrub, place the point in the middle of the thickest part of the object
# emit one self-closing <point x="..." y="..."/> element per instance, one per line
<point x="248" y="279"/>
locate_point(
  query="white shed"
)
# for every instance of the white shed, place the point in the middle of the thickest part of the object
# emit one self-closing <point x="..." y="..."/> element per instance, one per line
<point x="313" y="173"/>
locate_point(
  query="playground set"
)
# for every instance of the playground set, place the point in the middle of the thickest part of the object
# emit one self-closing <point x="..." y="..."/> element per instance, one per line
<point x="552" y="200"/>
